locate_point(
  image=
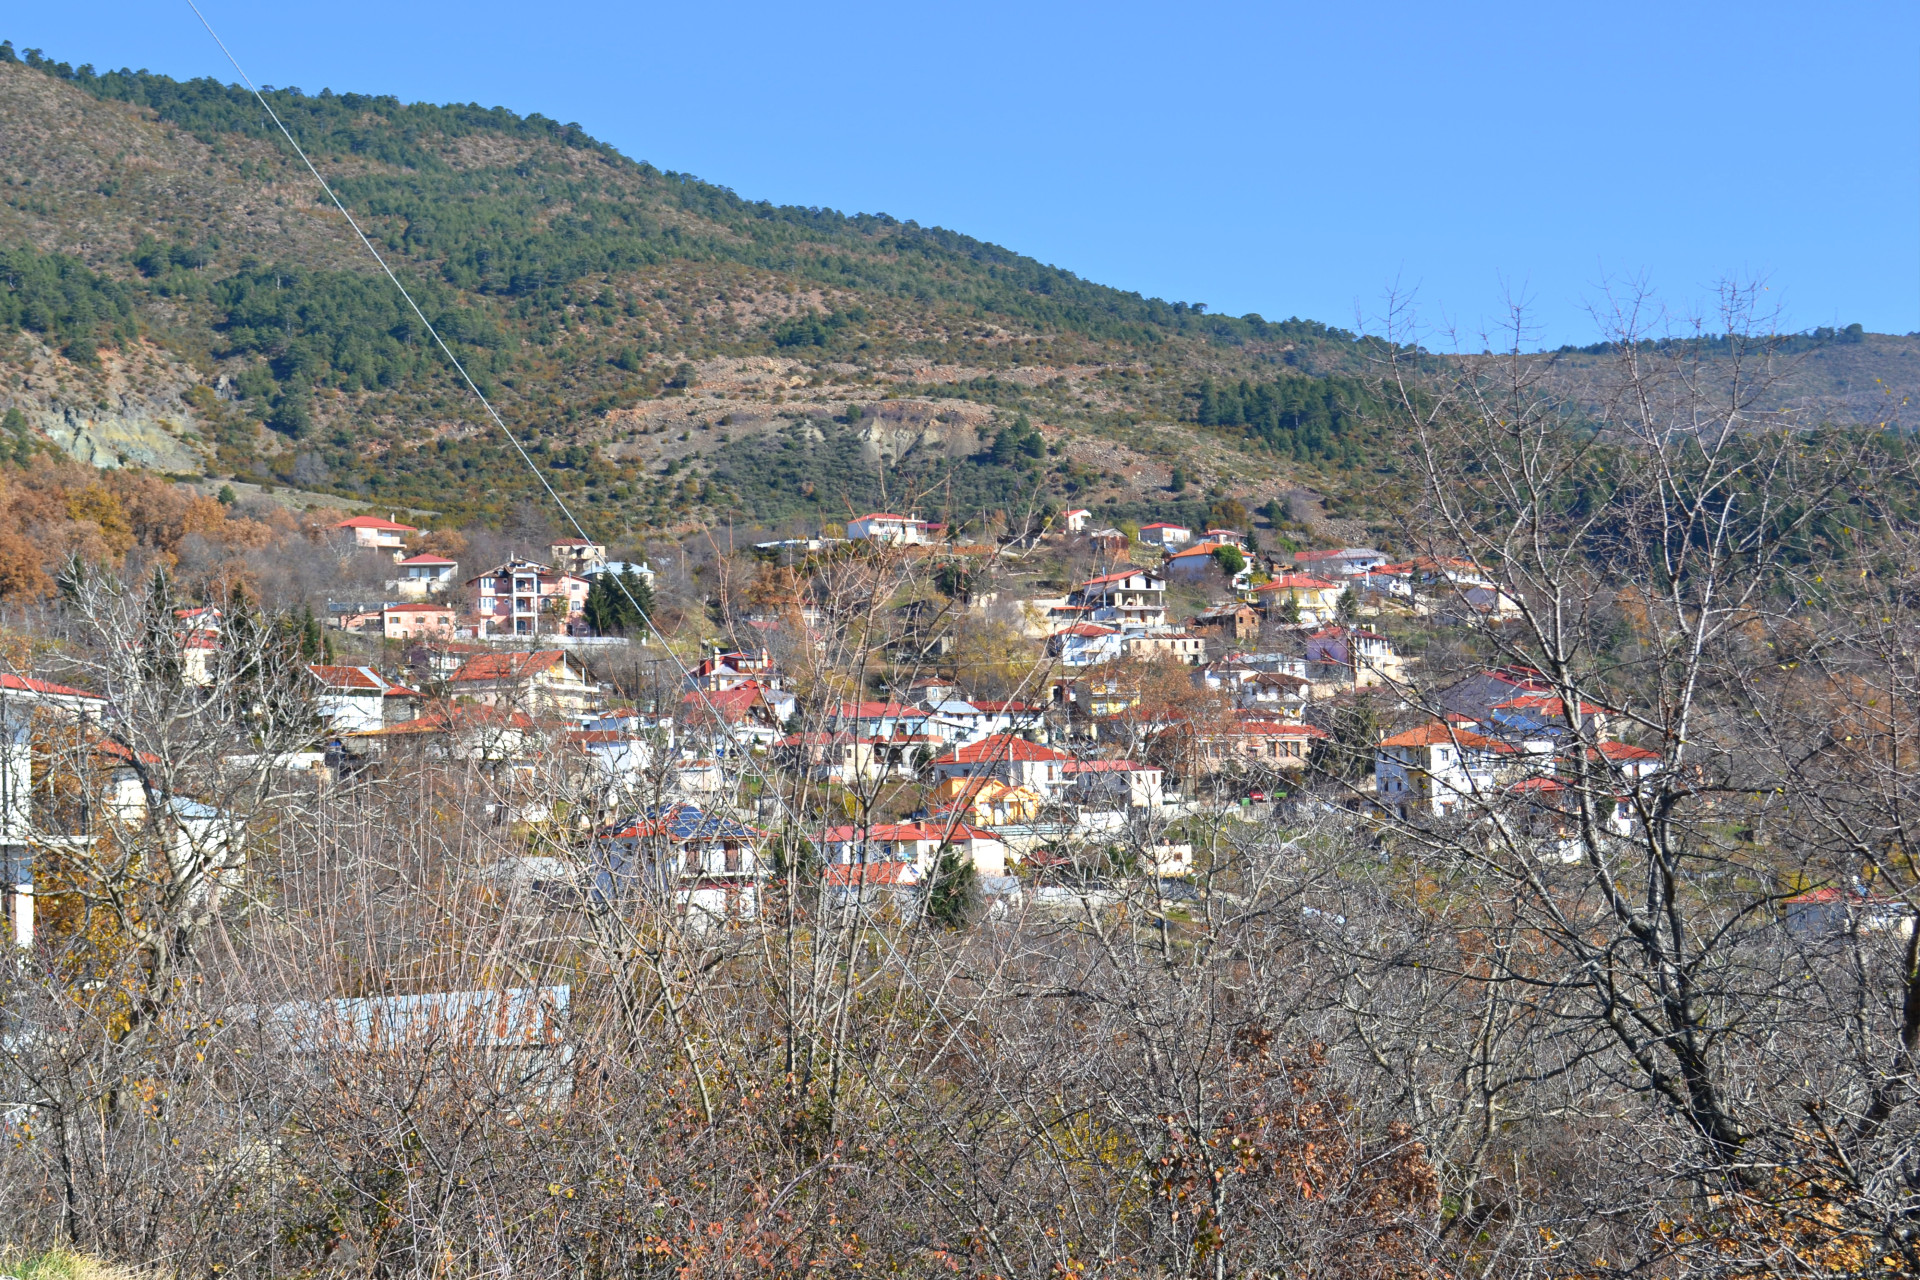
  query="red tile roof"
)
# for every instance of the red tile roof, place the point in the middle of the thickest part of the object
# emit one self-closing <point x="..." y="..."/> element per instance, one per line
<point x="1428" y="735"/>
<point x="508" y="666"/>
<point x="1616" y="752"/>
<point x="374" y="522"/>
<point x="28" y="684"/>
<point x="731" y="705"/>
<point x="360" y="680"/>
<point x="425" y="560"/>
<point x="120" y="751"/>
<point x="1429" y="564"/>
<point x="1518" y="677"/>
<point x="1546" y="705"/>
<point x="998" y="747"/>
<point x="596" y="737"/>
<point x="1296" y="582"/>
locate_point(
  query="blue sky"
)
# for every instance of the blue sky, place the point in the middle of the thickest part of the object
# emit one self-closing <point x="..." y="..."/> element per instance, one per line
<point x="1284" y="159"/>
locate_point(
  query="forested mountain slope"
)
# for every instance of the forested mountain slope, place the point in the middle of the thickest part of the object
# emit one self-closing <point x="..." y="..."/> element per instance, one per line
<point x="677" y="353"/>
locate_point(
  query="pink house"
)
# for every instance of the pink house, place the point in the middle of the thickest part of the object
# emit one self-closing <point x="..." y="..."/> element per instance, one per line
<point x="525" y="598"/>
<point x="375" y="533"/>
<point x="422" y="621"/>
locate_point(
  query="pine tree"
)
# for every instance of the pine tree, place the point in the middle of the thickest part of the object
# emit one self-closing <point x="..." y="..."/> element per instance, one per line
<point x="953" y="890"/>
<point x="312" y="644"/>
<point x="618" y="605"/>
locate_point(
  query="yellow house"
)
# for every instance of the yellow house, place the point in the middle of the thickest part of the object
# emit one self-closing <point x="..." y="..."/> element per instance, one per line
<point x="986" y="802"/>
<point x="1318" y="599"/>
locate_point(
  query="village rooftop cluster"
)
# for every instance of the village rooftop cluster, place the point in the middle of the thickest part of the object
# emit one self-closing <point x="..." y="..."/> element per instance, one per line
<point x="1130" y="718"/>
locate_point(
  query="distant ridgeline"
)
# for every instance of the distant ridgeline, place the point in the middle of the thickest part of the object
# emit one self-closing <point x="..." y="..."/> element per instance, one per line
<point x="486" y="228"/>
<point x="572" y="281"/>
<point x="1720" y="344"/>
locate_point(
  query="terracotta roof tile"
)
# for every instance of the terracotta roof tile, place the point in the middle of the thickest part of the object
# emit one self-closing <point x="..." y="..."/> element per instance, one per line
<point x="1001" y="746"/>
<point x="508" y="666"/>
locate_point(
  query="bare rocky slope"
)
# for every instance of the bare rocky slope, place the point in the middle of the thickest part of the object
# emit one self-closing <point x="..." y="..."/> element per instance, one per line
<point x="674" y="354"/>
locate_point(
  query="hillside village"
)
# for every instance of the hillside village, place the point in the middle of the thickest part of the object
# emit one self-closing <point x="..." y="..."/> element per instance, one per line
<point x="383" y="825"/>
<point x="1182" y="674"/>
<point x="863" y="752"/>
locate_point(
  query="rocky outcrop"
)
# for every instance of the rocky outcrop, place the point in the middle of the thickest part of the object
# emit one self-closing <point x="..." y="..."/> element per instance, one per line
<point x="129" y="411"/>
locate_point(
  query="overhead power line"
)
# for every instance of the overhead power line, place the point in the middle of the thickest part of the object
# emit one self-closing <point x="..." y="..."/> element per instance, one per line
<point x="745" y="756"/>
<point x="454" y="360"/>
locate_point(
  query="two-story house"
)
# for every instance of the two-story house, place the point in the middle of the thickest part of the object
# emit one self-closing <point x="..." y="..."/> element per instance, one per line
<point x="1313" y="599"/>
<point x="1254" y="740"/>
<point x="417" y="621"/>
<point x="547" y="682"/>
<point x="376" y="534"/>
<point x="1438" y="770"/>
<point x="877" y="719"/>
<point x="1161" y="643"/>
<point x="1234" y="621"/>
<point x="706" y="865"/>
<point x="1014" y="761"/>
<point x="918" y="843"/>
<point x="1353" y="657"/>
<point x="1127" y="597"/>
<point x="1117" y="784"/>
<point x="358" y="699"/>
<point x="1201" y="560"/>
<point x="422" y="576"/>
<point x="1084" y="644"/>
